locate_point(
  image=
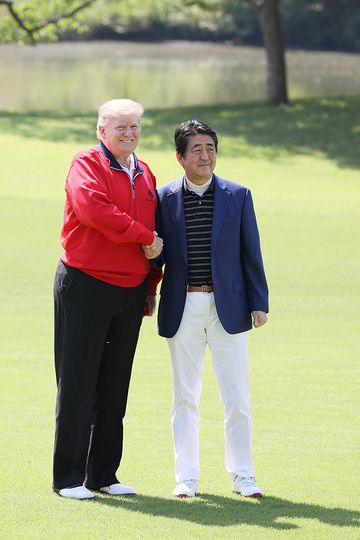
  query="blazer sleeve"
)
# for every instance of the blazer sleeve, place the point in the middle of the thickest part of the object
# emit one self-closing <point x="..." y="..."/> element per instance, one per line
<point x="252" y="263"/>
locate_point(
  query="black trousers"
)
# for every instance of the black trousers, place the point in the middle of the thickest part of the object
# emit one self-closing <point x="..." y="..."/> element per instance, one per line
<point x="96" y="331"/>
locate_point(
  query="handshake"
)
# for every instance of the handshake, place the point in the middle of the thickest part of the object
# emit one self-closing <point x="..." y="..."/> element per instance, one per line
<point x="154" y="250"/>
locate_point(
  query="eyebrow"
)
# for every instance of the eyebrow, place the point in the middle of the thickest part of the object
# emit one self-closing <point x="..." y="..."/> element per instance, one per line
<point x="197" y="145"/>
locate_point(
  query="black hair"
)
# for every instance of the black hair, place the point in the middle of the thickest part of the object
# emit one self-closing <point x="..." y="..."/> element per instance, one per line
<point x="189" y="129"/>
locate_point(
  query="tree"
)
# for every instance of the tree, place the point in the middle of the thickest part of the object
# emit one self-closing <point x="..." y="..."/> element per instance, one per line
<point x="271" y="29"/>
<point x="33" y="18"/>
<point x="270" y="23"/>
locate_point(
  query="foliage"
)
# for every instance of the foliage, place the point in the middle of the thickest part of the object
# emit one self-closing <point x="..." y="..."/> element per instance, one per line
<point x="322" y="24"/>
<point x="210" y="19"/>
<point x="31" y="21"/>
<point x="132" y="16"/>
<point x="305" y="396"/>
<point x="316" y="24"/>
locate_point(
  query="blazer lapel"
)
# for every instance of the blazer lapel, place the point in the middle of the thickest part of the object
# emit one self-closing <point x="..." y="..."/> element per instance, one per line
<point x="221" y="201"/>
<point x="176" y="207"/>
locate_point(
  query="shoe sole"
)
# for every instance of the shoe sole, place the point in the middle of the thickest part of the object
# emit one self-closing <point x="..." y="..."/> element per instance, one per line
<point x="117" y="494"/>
<point x="253" y="496"/>
<point x="77" y="498"/>
<point x="74" y="498"/>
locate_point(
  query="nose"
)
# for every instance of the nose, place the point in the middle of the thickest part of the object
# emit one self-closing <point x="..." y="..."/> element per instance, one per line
<point x="204" y="154"/>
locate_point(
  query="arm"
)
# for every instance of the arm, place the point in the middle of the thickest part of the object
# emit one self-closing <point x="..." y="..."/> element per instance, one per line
<point x="154" y="277"/>
<point x="153" y="251"/>
<point x="252" y="263"/>
<point x="93" y="208"/>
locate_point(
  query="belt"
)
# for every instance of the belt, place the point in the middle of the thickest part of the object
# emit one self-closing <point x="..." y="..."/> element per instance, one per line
<point x="200" y="288"/>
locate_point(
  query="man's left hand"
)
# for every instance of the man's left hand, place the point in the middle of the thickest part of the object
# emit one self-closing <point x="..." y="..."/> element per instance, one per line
<point x="150" y="306"/>
<point x="259" y="318"/>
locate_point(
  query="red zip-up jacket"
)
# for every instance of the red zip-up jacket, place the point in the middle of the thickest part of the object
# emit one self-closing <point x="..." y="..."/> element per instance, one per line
<point x="107" y="218"/>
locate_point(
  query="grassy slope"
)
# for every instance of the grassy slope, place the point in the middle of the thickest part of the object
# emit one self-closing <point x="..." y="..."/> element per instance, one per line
<point x="302" y="164"/>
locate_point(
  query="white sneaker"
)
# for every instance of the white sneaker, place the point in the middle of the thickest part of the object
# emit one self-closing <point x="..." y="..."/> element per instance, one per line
<point x="118" y="489"/>
<point x="79" y="492"/>
<point x="246" y="486"/>
<point x="185" y="489"/>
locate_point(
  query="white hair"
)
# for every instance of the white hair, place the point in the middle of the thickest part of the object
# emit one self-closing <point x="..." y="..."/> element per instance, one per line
<point x="115" y="108"/>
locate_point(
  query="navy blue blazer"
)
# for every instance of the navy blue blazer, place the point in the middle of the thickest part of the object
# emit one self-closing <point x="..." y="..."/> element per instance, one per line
<point x="237" y="269"/>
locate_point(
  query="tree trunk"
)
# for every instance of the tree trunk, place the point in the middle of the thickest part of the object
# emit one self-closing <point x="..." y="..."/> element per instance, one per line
<point x="270" y="23"/>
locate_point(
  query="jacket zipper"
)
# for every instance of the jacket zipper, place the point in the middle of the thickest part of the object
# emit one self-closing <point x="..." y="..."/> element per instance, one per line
<point x="132" y="180"/>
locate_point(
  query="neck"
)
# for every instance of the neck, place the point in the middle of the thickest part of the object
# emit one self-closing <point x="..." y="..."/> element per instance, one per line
<point x="199" y="189"/>
<point x="124" y="160"/>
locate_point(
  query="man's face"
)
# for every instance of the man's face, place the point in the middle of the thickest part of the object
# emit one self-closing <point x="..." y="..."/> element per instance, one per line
<point x="121" y="134"/>
<point x="199" y="159"/>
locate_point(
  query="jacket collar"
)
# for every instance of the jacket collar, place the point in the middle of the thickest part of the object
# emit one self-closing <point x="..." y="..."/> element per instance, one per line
<point x="114" y="164"/>
<point x="176" y="200"/>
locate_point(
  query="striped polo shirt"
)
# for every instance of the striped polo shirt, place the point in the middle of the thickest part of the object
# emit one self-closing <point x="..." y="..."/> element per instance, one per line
<point x="198" y="217"/>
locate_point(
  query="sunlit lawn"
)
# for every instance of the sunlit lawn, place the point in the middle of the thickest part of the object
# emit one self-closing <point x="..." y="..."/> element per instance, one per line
<point x="302" y="164"/>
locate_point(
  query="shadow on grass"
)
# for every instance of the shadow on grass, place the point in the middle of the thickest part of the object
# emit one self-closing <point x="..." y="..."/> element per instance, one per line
<point x="330" y="126"/>
<point x="214" y="510"/>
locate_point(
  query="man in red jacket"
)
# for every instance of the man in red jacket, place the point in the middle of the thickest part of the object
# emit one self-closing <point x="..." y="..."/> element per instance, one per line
<point x="102" y="284"/>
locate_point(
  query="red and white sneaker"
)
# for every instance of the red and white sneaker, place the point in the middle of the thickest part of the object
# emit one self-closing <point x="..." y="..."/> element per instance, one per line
<point x="186" y="489"/>
<point x="118" y="489"/>
<point x="246" y="486"/>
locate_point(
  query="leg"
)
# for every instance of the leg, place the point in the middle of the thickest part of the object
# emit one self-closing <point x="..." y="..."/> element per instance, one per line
<point x="187" y="349"/>
<point x="113" y="385"/>
<point x="81" y="326"/>
<point x="230" y="362"/>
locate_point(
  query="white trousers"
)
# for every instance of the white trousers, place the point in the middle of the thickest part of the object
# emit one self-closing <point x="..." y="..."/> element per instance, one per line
<point x="200" y="325"/>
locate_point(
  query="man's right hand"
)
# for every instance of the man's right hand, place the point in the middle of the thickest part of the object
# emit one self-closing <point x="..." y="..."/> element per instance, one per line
<point x="152" y="251"/>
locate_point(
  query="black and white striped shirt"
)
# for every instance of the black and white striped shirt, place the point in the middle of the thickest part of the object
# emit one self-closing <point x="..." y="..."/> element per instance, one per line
<point x="198" y="218"/>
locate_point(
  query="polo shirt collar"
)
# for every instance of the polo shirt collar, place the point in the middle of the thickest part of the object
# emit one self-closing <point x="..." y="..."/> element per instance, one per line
<point x="114" y="164"/>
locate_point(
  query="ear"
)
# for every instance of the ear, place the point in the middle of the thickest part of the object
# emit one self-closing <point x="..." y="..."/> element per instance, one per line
<point x="180" y="159"/>
<point x="102" y="131"/>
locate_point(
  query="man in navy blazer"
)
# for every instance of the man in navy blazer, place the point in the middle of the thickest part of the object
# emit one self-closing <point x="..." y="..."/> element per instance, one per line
<point x="214" y="289"/>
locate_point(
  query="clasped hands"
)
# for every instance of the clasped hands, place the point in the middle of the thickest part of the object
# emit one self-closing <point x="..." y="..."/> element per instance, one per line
<point x="152" y="251"/>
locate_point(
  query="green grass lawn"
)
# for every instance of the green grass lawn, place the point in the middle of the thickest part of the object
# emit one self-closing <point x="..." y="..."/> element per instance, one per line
<point x="302" y="165"/>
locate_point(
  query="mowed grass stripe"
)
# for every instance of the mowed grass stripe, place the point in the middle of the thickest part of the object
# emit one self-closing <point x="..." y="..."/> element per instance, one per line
<point x="301" y="164"/>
